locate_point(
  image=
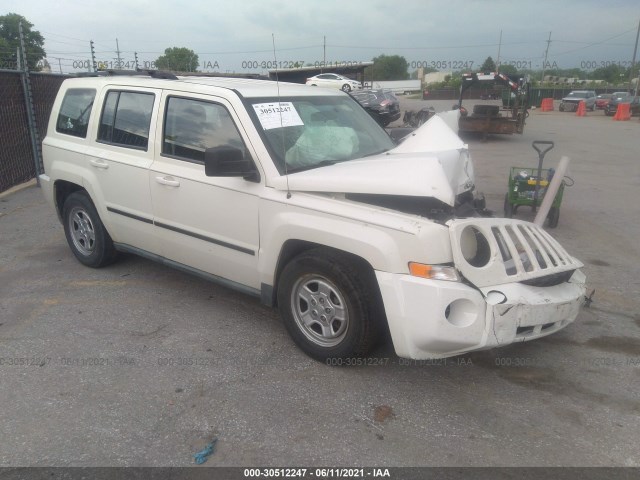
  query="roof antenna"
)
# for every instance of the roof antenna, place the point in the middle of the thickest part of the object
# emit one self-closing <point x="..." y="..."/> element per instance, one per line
<point x="286" y="174"/>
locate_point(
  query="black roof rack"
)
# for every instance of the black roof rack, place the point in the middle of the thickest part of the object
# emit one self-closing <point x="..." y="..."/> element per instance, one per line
<point x="112" y="73"/>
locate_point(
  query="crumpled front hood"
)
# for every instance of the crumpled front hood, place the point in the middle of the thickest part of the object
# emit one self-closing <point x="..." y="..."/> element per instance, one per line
<point x="431" y="162"/>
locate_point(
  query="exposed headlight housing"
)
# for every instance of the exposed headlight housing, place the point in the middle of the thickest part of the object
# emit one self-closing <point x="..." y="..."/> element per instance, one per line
<point x="475" y="247"/>
<point x="434" y="272"/>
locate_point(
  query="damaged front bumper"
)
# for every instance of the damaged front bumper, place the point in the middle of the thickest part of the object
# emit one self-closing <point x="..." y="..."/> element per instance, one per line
<point x="438" y="319"/>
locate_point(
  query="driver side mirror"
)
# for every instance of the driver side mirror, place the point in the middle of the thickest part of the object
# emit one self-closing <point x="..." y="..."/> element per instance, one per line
<point x="228" y="161"/>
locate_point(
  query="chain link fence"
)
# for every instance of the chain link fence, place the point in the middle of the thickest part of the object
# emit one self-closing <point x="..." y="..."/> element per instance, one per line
<point x="17" y="158"/>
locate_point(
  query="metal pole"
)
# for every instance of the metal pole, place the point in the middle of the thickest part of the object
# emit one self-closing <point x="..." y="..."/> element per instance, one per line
<point x="31" y="114"/>
<point x="93" y="56"/>
<point x="324" y="53"/>
<point x="18" y="65"/>
<point x="544" y="65"/>
<point x="633" y="62"/>
<point x="499" y="47"/>
<point x="118" y="52"/>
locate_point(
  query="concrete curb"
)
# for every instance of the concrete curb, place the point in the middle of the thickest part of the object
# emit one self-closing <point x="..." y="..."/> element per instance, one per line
<point x="17" y="188"/>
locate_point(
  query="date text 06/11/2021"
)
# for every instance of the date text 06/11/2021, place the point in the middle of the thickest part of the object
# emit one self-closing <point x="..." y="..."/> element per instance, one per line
<point x="316" y="472"/>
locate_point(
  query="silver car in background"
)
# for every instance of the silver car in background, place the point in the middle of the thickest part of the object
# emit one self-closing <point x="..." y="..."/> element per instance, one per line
<point x="570" y="102"/>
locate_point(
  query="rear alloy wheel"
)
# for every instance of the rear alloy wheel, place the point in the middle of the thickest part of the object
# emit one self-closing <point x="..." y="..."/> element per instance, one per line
<point x="88" y="239"/>
<point x="346" y="87"/>
<point x="327" y="307"/>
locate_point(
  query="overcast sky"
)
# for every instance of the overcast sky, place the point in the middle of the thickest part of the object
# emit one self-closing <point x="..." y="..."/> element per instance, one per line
<point x="237" y="35"/>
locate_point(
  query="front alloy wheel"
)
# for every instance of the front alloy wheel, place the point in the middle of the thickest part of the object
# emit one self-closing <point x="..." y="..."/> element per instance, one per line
<point x="330" y="304"/>
<point x="346" y="87"/>
<point x="319" y="310"/>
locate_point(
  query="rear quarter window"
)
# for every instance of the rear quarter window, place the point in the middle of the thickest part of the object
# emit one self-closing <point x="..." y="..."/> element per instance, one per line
<point x="73" y="117"/>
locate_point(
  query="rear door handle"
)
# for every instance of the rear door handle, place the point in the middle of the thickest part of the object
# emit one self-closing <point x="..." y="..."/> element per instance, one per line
<point x="99" y="163"/>
<point x="167" y="180"/>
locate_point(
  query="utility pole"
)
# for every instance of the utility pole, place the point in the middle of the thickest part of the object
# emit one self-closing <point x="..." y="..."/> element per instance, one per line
<point x="499" y="47"/>
<point x="119" y="67"/>
<point x="324" y="53"/>
<point x="633" y="63"/>
<point x="546" y="53"/>
<point x="18" y="65"/>
<point x="135" y="55"/>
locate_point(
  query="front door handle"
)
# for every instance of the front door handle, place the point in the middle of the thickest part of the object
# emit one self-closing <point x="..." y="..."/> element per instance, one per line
<point x="99" y="163"/>
<point x="168" y="180"/>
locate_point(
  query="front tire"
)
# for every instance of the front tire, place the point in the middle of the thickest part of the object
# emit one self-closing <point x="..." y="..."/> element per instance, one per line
<point x="88" y="239"/>
<point x="328" y="306"/>
<point x="346" y="88"/>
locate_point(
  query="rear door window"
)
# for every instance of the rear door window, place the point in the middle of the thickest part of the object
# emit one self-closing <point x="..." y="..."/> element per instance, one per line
<point x="126" y="119"/>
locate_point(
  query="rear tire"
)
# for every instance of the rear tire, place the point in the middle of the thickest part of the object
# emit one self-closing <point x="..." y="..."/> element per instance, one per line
<point x="328" y="305"/>
<point x="553" y="217"/>
<point x="88" y="239"/>
<point x="508" y="208"/>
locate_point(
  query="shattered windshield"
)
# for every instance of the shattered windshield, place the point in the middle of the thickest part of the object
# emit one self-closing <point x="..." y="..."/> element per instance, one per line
<point x="314" y="131"/>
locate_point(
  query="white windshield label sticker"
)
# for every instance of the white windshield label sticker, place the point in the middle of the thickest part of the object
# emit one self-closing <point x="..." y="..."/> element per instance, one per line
<point x="274" y="115"/>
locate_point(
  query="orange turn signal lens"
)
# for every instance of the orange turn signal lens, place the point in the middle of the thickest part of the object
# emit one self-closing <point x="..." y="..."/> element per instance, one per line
<point x="420" y="270"/>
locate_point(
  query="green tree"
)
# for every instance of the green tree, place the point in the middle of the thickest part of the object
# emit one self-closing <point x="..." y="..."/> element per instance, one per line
<point x="488" y="66"/>
<point x="10" y="41"/>
<point x="388" y="67"/>
<point x="567" y="72"/>
<point x="613" y="74"/>
<point x="179" y="59"/>
<point x="508" y="69"/>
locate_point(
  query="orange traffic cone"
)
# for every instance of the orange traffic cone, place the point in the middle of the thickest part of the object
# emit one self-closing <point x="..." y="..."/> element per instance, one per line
<point x="582" y="109"/>
<point x="546" y="105"/>
<point x="623" y="112"/>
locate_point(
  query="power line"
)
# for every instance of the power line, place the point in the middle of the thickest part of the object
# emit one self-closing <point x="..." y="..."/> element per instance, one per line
<point x="595" y="43"/>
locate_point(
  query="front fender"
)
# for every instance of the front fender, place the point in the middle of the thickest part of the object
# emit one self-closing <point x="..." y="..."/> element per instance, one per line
<point x="385" y="249"/>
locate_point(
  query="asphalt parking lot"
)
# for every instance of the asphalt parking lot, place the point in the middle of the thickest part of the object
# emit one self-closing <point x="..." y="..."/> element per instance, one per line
<point x="140" y="365"/>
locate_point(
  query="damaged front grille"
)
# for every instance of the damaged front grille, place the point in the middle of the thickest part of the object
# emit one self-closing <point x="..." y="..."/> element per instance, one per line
<point x="493" y="251"/>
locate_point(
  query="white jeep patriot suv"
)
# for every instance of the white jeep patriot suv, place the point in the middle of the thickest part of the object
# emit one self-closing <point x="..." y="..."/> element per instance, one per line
<point x="295" y="195"/>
